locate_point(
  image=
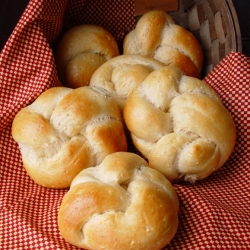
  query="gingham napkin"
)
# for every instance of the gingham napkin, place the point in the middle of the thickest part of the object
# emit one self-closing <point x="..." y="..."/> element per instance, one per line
<point x="214" y="213"/>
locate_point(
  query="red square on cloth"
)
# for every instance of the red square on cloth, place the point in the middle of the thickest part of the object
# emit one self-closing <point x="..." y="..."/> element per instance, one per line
<point x="214" y="213"/>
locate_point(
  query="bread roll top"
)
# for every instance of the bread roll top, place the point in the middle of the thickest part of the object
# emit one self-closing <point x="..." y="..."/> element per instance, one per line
<point x="172" y="112"/>
<point x="64" y="131"/>
<point x="156" y="35"/>
<point x="80" y="51"/>
<point x="119" y="204"/>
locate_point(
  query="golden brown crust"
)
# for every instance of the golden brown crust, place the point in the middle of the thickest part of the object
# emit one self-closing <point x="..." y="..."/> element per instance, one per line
<point x="156" y="35"/>
<point x="81" y="50"/>
<point x="120" y="75"/>
<point x="65" y="131"/>
<point x="180" y="125"/>
<point x="120" y="204"/>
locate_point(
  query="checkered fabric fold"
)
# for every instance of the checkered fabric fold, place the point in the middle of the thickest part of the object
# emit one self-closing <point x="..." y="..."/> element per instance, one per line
<point x="214" y="213"/>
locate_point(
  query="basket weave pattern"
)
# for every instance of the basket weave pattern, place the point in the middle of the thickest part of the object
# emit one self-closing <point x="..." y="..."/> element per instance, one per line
<point x="214" y="213"/>
<point x="215" y="24"/>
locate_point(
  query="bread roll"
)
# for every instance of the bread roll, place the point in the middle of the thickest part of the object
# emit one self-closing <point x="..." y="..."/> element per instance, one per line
<point x="180" y="125"/>
<point x="156" y="35"/>
<point x="80" y="51"/>
<point x="64" y="131"/>
<point x="120" y="75"/>
<point x="120" y="204"/>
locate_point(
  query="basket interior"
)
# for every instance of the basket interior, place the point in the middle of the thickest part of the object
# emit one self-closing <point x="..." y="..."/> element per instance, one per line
<point x="214" y="23"/>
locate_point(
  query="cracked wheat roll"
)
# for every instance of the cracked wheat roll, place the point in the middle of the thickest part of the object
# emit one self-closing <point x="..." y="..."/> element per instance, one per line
<point x="80" y="51"/>
<point x="120" y="75"/>
<point x="156" y="35"/>
<point x="180" y="125"/>
<point x="120" y="204"/>
<point x="64" y="131"/>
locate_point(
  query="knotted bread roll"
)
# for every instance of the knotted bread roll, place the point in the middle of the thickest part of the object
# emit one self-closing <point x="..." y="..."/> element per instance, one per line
<point x="120" y="75"/>
<point x="156" y="35"/>
<point x="64" y="131"/>
<point x="80" y="51"/>
<point x="180" y="125"/>
<point x="120" y="204"/>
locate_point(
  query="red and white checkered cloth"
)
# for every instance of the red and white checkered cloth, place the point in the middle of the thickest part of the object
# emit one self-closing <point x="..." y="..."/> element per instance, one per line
<point x="214" y="213"/>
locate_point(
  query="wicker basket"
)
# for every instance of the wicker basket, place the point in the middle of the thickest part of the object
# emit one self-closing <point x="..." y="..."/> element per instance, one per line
<point x="213" y="214"/>
<point x="213" y="22"/>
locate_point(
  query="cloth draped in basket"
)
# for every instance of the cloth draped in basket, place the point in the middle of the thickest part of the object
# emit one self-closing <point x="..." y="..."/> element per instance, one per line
<point x="214" y="213"/>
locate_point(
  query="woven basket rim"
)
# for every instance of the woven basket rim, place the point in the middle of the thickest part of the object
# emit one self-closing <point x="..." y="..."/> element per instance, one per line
<point x="216" y="26"/>
<point x="236" y="24"/>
